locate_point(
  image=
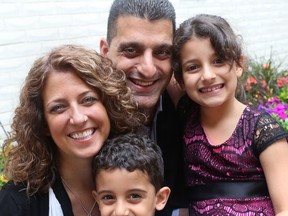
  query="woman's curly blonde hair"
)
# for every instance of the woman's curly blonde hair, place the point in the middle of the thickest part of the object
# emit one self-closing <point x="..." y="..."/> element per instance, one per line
<point x="33" y="158"/>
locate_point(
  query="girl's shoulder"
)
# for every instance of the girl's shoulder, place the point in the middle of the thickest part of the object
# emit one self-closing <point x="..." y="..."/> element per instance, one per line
<point x="255" y="116"/>
<point x="266" y="130"/>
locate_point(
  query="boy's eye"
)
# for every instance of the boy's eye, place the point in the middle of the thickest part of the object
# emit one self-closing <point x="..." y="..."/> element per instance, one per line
<point x="107" y="199"/>
<point x="135" y="198"/>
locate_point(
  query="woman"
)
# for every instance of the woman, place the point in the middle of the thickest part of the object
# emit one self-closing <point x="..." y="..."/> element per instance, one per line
<point x="71" y="102"/>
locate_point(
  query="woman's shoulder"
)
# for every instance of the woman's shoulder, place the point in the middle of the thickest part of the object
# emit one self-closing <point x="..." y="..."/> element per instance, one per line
<point x="17" y="191"/>
<point x="15" y="201"/>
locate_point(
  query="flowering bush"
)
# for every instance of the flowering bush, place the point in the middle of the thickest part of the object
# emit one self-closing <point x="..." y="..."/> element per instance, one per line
<point x="3" y="154"/>
<point x="265" y="86"/>
<point x="278" y="109"/>
<point x="3" y="180"/>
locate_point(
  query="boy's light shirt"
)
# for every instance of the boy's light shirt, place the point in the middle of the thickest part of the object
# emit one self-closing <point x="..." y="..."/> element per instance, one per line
<point x="175" y="212"/>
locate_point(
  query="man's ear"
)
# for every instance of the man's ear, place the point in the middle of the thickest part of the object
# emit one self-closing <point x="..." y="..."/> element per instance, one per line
<point x="104" y="48"/>
<point x="162" y="197"/>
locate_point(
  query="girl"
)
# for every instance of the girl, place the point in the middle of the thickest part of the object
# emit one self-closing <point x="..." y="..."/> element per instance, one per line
<point x="235" y="156"/>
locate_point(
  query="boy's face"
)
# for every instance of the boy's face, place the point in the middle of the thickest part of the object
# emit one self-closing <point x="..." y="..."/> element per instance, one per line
<point x="120" y="192"/>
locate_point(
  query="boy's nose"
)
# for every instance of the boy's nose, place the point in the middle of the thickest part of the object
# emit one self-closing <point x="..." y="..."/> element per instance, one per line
<point x="121" y="210"/>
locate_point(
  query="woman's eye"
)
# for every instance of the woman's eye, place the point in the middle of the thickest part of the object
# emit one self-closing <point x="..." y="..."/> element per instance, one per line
<point x="89" y="100"/>
<point x="57" y="108"/>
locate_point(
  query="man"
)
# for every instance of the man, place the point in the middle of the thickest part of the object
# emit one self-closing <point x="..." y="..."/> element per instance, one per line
<point x="139" y="41"/>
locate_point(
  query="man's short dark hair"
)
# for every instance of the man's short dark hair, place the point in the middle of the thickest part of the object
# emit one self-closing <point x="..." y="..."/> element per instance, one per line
<point x="146" y="9"/>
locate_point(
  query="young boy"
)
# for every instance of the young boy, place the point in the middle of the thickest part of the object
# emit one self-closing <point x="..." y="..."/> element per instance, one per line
<point x="128" y="173"/>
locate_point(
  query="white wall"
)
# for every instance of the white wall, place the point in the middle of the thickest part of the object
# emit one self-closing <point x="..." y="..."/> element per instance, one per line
<point x="28" y="28"/>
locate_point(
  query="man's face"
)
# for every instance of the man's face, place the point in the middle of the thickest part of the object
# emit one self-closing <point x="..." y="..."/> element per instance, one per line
<point x="143" y="50"/>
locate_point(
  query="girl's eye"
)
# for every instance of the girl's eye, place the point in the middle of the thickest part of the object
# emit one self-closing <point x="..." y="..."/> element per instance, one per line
<point x="191" y="68"/>
<point x="218" y="61"/>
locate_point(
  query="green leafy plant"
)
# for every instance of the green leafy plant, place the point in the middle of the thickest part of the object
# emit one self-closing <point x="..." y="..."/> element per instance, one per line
<point x="3" y="180"/>
<point x="3" y="154"/>
<point x="265" y="86"/>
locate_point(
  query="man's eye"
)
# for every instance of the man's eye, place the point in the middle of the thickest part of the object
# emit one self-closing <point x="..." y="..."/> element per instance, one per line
<point x="130" y="52"/>
<point x="163" y="54"/>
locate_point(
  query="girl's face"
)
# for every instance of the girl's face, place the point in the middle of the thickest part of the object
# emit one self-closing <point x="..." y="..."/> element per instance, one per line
<point x="76" y="118"/>
<point x="207" y="79"/>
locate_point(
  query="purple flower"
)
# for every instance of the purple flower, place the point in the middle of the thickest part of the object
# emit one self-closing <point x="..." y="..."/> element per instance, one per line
<point x="275" y="108"/>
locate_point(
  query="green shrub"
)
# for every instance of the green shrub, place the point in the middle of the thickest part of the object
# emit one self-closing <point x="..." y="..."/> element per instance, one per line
<point x="264" y="85"/>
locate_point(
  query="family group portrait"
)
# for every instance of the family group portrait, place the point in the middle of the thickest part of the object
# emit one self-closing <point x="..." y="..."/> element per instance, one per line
<point x="143" y="108"/>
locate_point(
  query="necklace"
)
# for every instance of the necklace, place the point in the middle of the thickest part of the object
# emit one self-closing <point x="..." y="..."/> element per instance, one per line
<point x="89" y="213"/>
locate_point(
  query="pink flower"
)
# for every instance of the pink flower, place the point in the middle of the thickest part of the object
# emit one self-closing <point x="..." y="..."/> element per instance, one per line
<point x="266" y="66"/>
<point x="282" y="81"/>
<point x="263" y="83"/>
<point x="251" y="80"/>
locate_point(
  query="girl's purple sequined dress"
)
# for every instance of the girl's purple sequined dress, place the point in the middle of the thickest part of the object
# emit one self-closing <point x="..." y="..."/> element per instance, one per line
<point x="236" y="160"/>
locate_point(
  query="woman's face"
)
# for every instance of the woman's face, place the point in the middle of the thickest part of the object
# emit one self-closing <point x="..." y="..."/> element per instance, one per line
<point x="76" y="118"/>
